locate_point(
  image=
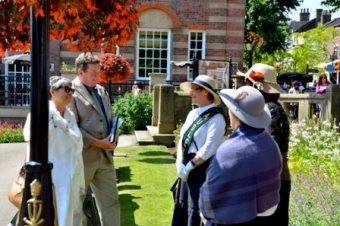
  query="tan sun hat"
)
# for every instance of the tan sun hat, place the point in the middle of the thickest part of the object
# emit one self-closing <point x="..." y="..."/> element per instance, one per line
<point x="205" y="82"/>
<point x="263" y="78"/>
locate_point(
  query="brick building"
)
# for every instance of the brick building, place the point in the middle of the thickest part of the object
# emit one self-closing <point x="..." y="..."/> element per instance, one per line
<point x="175" y="30"/>
<point x="168" y="30"/>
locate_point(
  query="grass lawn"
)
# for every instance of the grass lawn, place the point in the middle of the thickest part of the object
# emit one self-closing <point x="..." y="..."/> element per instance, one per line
<point x="145" y="178"/>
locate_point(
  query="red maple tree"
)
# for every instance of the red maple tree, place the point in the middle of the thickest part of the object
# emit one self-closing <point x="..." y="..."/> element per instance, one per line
<point x="84" y="25"/>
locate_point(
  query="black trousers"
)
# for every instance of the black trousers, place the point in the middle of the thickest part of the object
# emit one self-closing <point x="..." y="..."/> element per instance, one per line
<point x="195" y="180"/>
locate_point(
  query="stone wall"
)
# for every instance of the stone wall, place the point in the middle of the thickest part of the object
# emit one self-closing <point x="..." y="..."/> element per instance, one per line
<point x="179" y="105"/>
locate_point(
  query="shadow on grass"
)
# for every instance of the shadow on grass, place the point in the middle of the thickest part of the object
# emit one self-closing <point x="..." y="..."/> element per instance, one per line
<point x="158" y="160"/>
<point x="129" y="187"/>
<point x="127" y="208"/>
<point x="154" y="153"/>
<point x="124" y="174"/>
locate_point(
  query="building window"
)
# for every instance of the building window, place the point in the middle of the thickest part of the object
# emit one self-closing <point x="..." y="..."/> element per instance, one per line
<point x="15" y="85"/>
<point x="153" y="53"/>
<point x="196" y="48"/>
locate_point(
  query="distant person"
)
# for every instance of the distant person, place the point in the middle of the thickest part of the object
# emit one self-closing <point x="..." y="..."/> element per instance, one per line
<point x="200" y="136"/>
<point x="320" y="88"/>
<point x="296" y="87"/>
<point x="322" y="84"/>
<point x="137" y="88"/>
<point x="243" y="180"/>
<point x="92" y="109"/>
<point x="65" y="146"/>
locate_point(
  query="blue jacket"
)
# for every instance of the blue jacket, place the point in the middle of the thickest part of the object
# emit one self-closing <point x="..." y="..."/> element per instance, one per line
<point x="243" y="178"/>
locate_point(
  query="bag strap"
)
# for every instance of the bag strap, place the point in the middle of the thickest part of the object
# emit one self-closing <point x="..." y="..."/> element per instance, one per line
<point x="202" y="119"/>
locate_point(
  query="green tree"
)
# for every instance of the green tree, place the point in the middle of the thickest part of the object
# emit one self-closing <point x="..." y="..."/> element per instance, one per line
<point x="267" y="21"/>
<point x="334" y="4"/>
<point x="312" y="48"/>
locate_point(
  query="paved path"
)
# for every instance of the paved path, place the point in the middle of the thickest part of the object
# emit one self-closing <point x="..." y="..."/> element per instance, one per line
<point x="12" y="157"/>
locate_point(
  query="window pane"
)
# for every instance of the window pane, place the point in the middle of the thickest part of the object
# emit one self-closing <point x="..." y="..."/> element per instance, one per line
<point x="164" y="54"/>
<point x="149" y="54"/>
<point x="157" y="43"/>
<point x="142" y="34"/>
<point x="142" y="44"/>
<point x="141" y="53"/>
<point x="163" y="63"/>
<point x="199" y="45"/>
<point x="156" y="54"/>
<point x="141" y="72"/>
<point x="156" y="63"/>
<point x="142" y="63"/>
<point x="199" y="55"/>
<point x="164" y="44"/>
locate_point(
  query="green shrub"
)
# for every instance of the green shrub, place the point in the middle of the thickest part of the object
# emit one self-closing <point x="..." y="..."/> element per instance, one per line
<point x="11" y="132"/>
<point x="135" y="110"/>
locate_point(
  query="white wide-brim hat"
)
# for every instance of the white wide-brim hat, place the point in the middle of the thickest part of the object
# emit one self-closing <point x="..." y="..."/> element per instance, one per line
<point x="205" y="82"/>
<point x="263" y="77"/>
<point x="248" y="105"/>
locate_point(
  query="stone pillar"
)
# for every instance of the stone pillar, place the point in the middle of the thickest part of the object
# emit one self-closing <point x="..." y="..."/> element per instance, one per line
<point x="333" y="103"/>
<point x="304" y="110"/>
<point x="156" y="78"/>
<point x="166" y="110"/>
<point x="155" y="105"/>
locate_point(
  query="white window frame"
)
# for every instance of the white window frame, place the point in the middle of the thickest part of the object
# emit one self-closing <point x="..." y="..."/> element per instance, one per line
<point x="189" y="73"/>
<point x="168" y="52"/>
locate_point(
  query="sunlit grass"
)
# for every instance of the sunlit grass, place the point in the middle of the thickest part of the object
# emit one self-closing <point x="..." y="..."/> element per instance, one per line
<point x="145" y="178"/>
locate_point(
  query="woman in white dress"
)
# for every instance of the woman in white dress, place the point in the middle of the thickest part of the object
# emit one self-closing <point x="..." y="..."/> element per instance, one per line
<point x="65" y="147"/>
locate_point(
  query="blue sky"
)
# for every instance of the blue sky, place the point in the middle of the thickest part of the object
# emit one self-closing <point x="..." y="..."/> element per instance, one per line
<point x="312" y="5"/>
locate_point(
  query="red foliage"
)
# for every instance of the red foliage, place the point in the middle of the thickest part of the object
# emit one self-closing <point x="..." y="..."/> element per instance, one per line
<point x="253" y="38"/>
<point x="85" y="25"/>
<point x="114" y="68"/>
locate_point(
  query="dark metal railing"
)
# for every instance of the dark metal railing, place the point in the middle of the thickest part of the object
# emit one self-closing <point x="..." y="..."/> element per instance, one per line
<point x="15" y="88"/>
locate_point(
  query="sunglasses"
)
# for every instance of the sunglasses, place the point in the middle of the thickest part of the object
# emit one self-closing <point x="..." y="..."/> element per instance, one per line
<point x="67" y="89"/>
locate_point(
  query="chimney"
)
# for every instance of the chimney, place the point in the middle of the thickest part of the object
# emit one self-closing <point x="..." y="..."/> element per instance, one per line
<point x="304" y="15"/>
<point x="318" y="15"/>
<point x="326" y="16"/>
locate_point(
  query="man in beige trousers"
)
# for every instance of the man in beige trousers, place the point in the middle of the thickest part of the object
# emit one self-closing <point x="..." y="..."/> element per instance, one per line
<point x="92" y="109"/>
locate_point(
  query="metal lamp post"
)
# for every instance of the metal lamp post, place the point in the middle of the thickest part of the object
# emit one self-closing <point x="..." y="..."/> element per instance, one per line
<point x="250" y="48"/>
<point x="37" y="202"/>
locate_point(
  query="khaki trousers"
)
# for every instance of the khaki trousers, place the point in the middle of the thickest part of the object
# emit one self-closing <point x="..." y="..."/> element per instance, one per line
<point x="101" y="176"/>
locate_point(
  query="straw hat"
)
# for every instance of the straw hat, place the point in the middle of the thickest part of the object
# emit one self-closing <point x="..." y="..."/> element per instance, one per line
<point x="263" y="78"/>
<point x="205" y="82"/>
<point x="247" y="104"/>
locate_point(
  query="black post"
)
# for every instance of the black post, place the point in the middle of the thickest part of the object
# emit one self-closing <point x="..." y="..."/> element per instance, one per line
<point x="38" y="196"/>
<point x="195" y="69"/>
<point x="230" y="73"/>
<point x="250" y="61"/>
